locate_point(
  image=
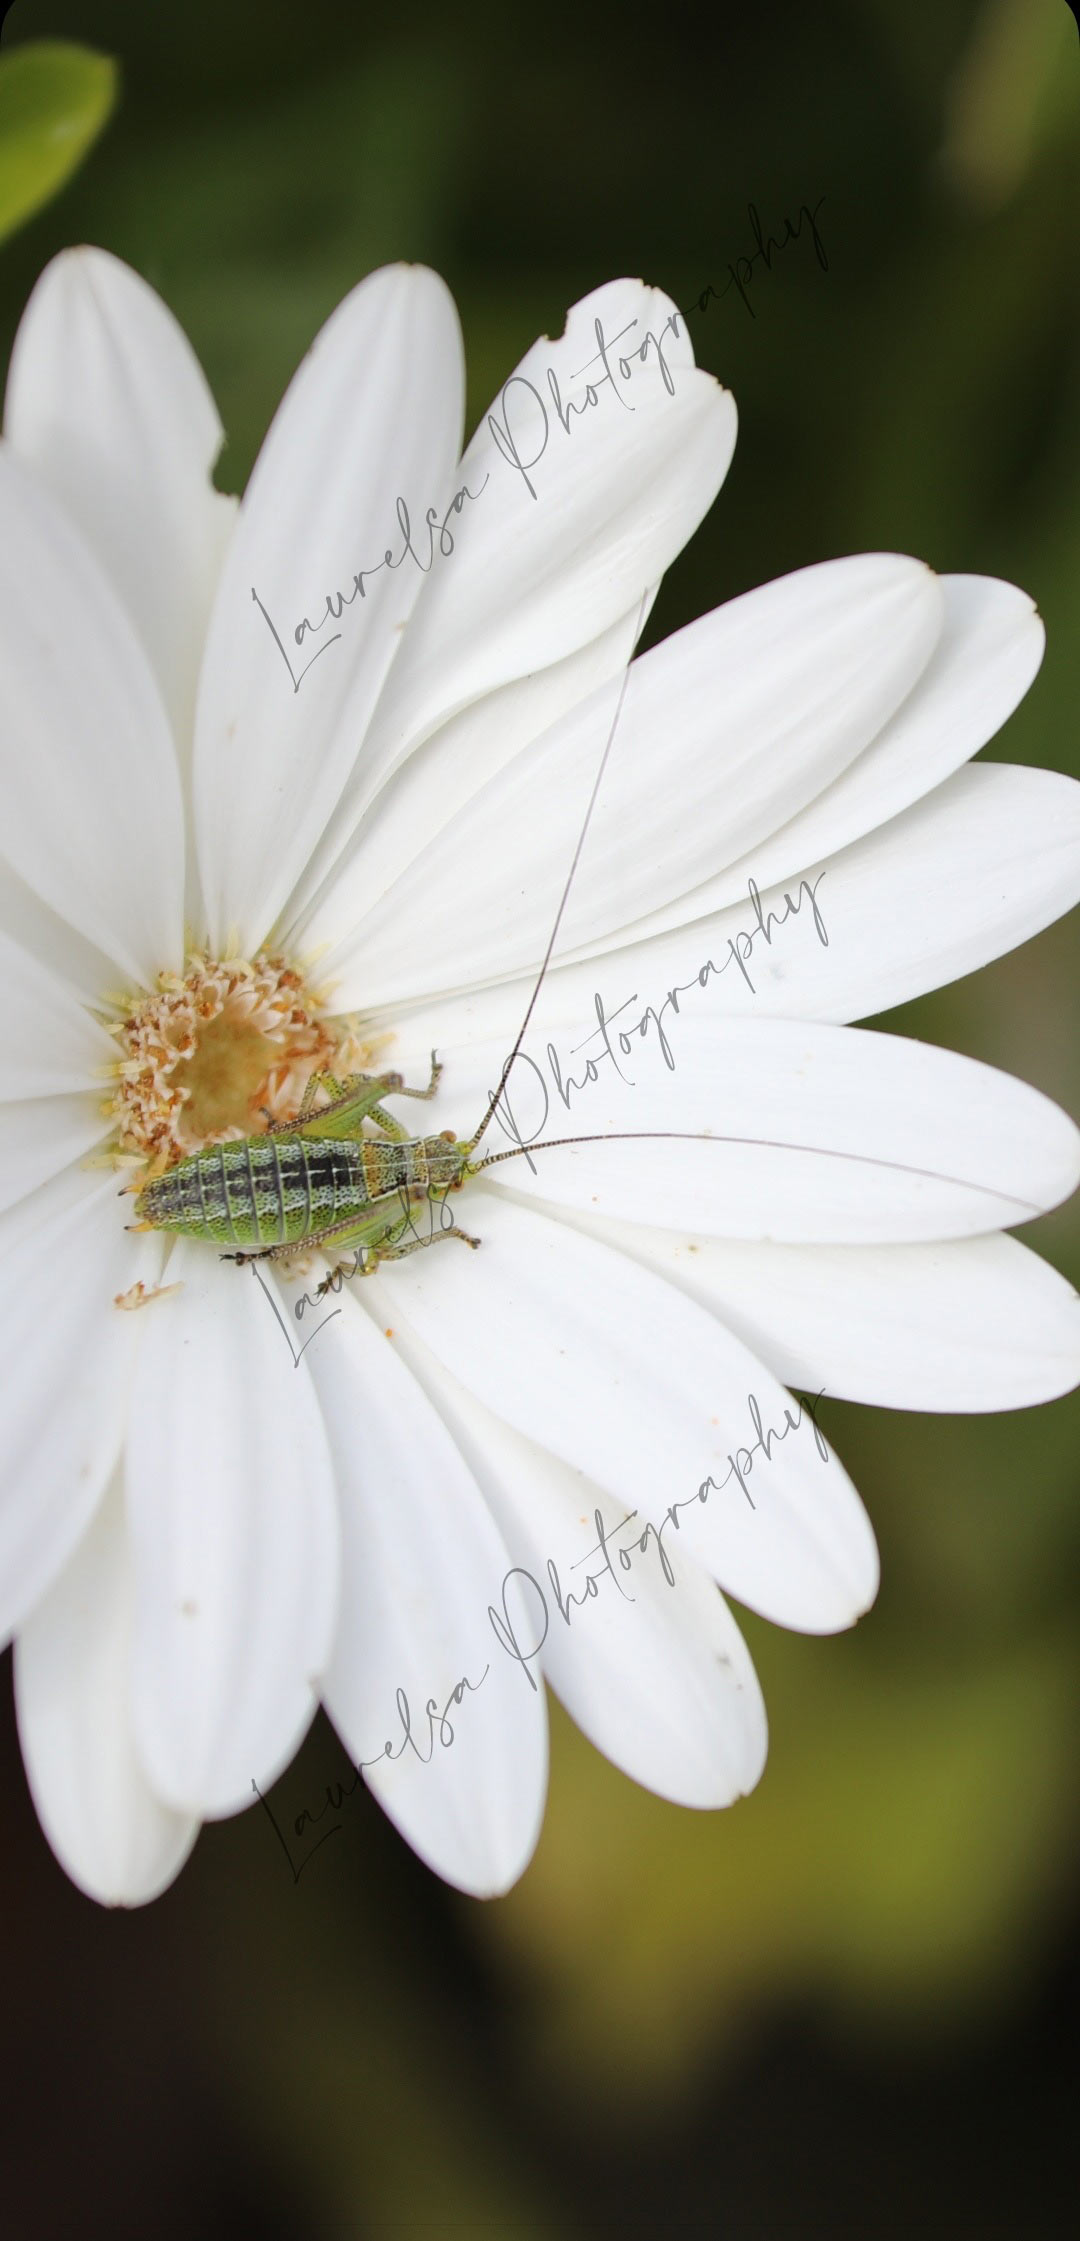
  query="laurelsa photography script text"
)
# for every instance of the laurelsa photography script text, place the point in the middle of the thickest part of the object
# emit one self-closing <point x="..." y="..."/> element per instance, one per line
<point x="527" y="417"/>
<point x="526" y="1610"/>
<point x="648" y="1025"/>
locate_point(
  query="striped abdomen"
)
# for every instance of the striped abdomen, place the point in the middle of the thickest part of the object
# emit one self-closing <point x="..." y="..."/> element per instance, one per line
<point x="272" y="1190"/>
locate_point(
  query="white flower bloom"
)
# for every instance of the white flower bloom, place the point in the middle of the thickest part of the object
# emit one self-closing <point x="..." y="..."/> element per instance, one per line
<point x="289" y="788"/>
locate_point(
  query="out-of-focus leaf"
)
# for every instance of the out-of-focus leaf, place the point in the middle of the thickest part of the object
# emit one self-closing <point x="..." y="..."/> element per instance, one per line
<point x="54" y="100"/>
<point x="1013" y="92"/>
<point x="896" y="1857"/>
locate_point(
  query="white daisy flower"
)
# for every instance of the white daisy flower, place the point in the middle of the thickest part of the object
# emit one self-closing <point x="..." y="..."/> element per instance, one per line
<point x="294" y="788"/>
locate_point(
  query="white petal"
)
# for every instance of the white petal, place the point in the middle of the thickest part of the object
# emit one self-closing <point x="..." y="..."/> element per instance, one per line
<point x="982" y="864"/>
<point x="421" y="1562"/>
<point x="642" y="1649"/>
<point x="372" y="417"/>
<point x="234" y="1532"/>
<point x="107" y="402"/>
<point x="637" y="1387"/>
<point x="67" y="1352"/>
<point x="973" y="1324"/>
<point x="448" y="770"/>
<point x="51" y="1041"/>
<point x="41" y="1135"/>
<point x="989" y="650"/>
<point x="775" y="1129"/>
<point x="979" y="866"/>
<point x="536" y="572"/>
<point x="92" y="815"/>
<point x="29" y="922"/>
<point x="722" y="727"/>
<point x="973" y="870"/>
<point x="117" y="1841"/>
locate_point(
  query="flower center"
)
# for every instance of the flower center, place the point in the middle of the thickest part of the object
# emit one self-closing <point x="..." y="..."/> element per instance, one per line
<point x="218" y="1051"/>
<point x="222" y="1079"/>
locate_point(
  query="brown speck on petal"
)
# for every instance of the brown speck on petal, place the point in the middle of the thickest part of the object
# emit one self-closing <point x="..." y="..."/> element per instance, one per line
<point x="137" y="1294"/>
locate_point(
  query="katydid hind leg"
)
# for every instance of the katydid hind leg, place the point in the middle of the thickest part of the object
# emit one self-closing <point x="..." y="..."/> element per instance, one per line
<point x="364" y="1230"/>
<point x="383" y="1242"/>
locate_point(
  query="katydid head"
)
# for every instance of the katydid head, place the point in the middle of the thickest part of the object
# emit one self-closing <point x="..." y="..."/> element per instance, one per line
<point x="446" y="1159"/>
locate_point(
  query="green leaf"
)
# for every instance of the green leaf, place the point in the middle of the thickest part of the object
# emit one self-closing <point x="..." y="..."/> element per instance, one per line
<point x="54" y="99"/>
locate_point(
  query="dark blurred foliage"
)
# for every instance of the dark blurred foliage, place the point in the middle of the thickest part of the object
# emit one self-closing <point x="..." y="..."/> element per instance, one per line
<point x="846" y="2007"/>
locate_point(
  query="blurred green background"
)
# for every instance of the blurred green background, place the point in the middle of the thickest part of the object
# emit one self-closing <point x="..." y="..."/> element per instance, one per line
<point x="847" y="2006"/>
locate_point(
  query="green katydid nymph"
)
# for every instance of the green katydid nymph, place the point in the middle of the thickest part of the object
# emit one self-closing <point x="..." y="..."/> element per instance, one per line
<point x="316" y="1181"/>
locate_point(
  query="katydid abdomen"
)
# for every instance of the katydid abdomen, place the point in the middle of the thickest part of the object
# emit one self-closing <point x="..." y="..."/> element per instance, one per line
<point x="281" y="1189"/>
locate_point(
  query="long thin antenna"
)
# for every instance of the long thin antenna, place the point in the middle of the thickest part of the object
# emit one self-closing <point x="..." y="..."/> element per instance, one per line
<point x="505" y="1075"/>
<point x="765" y="1143"/>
